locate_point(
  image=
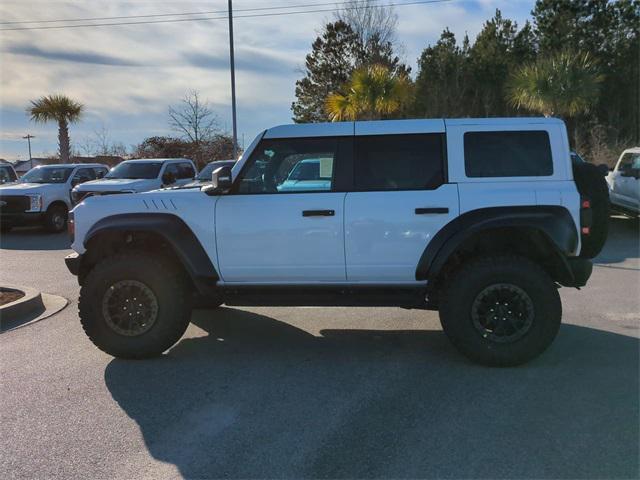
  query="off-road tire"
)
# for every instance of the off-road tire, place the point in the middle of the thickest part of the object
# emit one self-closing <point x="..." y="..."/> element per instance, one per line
<point x="592" y="185"/>
<point x="170" y="288"/>
<point x="55" y="220"/>
<point x="465" y="285"/>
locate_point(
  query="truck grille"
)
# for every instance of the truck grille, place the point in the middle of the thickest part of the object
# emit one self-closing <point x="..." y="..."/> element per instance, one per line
<point x="14" y="203"/>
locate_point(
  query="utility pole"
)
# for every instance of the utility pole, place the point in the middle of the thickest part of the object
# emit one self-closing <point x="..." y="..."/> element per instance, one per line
<point x="233" y="83"/>
<point x="28" y="136"/>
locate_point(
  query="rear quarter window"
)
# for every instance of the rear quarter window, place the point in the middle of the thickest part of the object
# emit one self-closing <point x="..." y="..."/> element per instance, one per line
<point x="507" y="154"/>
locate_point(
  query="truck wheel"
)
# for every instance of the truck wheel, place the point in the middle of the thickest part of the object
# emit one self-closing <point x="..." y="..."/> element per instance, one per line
<point x="592" y="184"/>
<point x="134" y="305"/>
<point x="55" y="220"/>
<point x="501" y="310"/>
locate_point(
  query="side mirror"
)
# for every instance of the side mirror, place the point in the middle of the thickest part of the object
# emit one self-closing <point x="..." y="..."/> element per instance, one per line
<point x="168" y="178"/>
<point x="221" y="181"/>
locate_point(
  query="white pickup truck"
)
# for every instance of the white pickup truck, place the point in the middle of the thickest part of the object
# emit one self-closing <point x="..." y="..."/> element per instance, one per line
<point x="43" y="195"/>
<point x="142" y="175"/>
<point x="624" y="183"/>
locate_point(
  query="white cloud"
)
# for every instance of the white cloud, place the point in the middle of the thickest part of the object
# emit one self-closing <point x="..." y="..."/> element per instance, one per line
<point x="127" y="76"/>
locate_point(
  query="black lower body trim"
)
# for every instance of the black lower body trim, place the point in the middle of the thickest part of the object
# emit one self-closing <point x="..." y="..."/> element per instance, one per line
<point x="335" y="296"/>
<point x="581" y="269"/>
<point x="73" y="262"/>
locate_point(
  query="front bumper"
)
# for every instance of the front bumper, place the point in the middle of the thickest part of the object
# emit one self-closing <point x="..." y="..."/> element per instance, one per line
<point x="73" y="261"/>
<point x="21" y="219"/>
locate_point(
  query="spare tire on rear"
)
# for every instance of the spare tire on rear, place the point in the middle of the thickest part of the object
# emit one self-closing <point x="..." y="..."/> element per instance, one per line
<point x="593" y="186"/>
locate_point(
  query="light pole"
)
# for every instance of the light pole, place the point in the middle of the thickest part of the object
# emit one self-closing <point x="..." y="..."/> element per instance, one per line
<point x="28" y="136"/>
<point x="233" y="83"/>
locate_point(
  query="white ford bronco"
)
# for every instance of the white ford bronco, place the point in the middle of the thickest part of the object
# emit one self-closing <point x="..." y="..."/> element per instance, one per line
<point x="43" y="195"/>
<point x="479" y="219"/>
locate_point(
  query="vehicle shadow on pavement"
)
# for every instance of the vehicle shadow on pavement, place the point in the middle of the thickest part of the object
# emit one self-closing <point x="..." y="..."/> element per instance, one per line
<point x="623" y="241"/>
<point x="34" y="239"/>
<point x="257" y="397"/>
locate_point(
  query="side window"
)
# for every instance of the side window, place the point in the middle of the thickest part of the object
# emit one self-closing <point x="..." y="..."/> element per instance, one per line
<point x="173" y="170"/>
<point x="507" y="154"/>
<point x="185" y="171"/>
<point x="630" y="161"/>
<point x="399" y="162"/>
<point x="83" y="175"/>
<point x="290" y="165"/>
<point x="100" y="172"/>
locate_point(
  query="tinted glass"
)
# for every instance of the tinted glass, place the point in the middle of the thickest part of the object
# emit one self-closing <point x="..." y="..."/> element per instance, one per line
<point x="83" y="175"/>
<point x="100" y="172"/>
<point x="290" y="165"/>
<point x="7" y="174"/>
<point x="630" y="161"/>
<point x="135" y="170"/>
<point x="507" y="154"/>
<point x="399" y="162"/>
<point x="47" y="175"/>
<point x="205" y="173"/>
<point x="186" y="171"/>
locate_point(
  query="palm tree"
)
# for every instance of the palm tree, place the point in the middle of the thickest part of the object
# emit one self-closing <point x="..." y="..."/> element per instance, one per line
<point x="61" y="109"/>
<point x="565" y="84"/>
<point x="373" y="92"/>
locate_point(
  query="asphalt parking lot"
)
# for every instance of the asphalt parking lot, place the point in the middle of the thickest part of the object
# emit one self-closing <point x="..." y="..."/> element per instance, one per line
<point x="321" y="392"/>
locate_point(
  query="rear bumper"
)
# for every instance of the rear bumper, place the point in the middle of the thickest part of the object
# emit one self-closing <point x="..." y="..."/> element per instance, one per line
<point x="24" y="218"/>
<point x="73" y="263"/>
<point x="580" y="269"/>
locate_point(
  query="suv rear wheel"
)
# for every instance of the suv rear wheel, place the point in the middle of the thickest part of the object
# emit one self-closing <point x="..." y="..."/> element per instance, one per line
<point x="501" y="310"/>
<point x="134" y="305"/>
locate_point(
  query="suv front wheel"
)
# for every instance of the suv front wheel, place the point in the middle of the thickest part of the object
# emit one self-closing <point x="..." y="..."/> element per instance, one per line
<point x="134" y="305"/>
<point x="55" y="219"/>
<point x="501" y="310"/>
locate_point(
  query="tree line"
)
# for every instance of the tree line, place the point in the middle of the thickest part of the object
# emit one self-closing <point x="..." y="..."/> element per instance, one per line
<point x="576" y="59"/>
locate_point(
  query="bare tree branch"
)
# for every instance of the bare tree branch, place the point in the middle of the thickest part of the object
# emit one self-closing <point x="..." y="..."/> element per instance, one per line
<point x="193" y="119"/>
<point x="370" y="24"/>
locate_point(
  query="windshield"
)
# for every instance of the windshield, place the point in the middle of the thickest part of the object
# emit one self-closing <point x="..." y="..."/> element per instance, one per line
<point x="135" y="170"/>
<point x="205" y="173"/>
<point x="47" y="175"/>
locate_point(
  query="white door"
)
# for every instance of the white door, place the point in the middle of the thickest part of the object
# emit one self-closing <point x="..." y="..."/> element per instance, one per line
<point x="282" y="223"/>
<point x="400" y="202"/>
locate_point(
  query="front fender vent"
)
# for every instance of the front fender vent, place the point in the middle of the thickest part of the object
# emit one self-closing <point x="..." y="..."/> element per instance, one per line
<point x="160" y="204"/>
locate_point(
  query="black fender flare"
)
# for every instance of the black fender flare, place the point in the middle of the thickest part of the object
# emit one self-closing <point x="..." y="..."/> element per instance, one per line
<point x="554" y="222"/>
<point x="175" y="232"/>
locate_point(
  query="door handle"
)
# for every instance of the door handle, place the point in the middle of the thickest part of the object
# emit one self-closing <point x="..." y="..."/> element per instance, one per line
<point x="430" y="210"/>
<point x="318" y="213"/>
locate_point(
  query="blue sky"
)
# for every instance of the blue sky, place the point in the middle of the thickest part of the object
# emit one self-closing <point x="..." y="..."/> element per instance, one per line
<point x="127" y="76"/>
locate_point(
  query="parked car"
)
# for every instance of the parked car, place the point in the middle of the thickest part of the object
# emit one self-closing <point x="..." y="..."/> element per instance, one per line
<point x="624" y="183"/>
<point x="309" y="174"/>
<point x="204" y="176"/>
<point x="43" y="195"/>
<point x="479" y="219"/>
<point x="134" y="176"/>
<point x="7" y="174"/>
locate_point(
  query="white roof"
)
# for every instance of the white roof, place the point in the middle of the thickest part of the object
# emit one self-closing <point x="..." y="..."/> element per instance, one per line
<point x="380" y="127"/>
<point x="147" y="160"/>
<point x="72" y="165"/>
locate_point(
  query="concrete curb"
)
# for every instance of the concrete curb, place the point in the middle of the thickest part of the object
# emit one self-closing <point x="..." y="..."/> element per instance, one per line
<point x="28" y="305"/>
